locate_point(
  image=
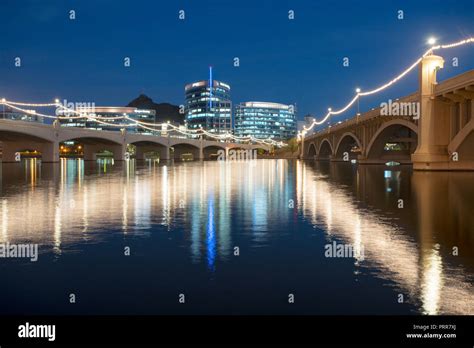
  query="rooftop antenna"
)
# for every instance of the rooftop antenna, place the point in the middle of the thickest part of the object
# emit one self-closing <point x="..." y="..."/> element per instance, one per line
<point x="210" y="87"/>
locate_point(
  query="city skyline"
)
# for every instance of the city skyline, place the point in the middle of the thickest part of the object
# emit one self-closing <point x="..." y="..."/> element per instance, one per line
<point x="153" y="72"/>
<point x="232" y="164"/>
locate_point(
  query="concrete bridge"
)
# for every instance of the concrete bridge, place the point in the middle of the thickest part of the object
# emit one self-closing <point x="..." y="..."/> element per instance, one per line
<point x="439" y="136"/>
<point x="17" y="136"/>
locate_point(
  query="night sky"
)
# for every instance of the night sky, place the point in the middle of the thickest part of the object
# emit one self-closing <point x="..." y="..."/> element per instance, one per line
<point x="281" y="60"/>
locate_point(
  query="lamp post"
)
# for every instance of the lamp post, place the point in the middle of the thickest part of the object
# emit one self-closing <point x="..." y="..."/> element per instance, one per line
<point x="302" y="143"/>
<point x="358" y="99"/>
<point x="3" y="103"/>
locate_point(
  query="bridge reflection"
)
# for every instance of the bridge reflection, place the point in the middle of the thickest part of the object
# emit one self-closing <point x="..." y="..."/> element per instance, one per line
<point x="411" y="247"/>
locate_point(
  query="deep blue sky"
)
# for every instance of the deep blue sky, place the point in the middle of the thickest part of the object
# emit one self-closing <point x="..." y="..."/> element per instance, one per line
<point x="298" y="61"/>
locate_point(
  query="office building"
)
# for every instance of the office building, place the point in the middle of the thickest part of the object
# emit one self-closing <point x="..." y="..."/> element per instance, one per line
<point x="12" y="114"/>
<point x="208" y="106"/>
<point x="265" y="120"/>
<point x="112" y="117"/>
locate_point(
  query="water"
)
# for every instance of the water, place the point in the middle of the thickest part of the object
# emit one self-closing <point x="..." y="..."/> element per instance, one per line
<point x="182" y="223"/>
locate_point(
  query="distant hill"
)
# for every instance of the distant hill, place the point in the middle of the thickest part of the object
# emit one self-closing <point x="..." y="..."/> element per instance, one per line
<point x="164" y="111"/>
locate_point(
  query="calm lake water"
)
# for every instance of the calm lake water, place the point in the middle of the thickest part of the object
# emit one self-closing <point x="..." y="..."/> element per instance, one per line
<point x="183" y="222"/>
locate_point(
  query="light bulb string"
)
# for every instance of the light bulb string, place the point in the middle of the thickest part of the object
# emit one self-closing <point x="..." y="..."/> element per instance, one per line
<point x="384" y="86"/>
<point x="99" y="119"/>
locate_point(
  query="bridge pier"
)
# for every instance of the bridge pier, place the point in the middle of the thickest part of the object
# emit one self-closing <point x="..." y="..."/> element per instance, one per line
<point x="433" y="134"/>
<point x="302" y="154"/>
<point x="200" y="153"/>
<point x="165" y="154"/>
<point x="50" y="152"/>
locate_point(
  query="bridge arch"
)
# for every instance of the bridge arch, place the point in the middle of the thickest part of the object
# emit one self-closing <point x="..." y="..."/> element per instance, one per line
<point x="325" y="149"/>
<point x="212" y="151"/>
<point x="38" y="141"/>
<point x="312" y="151"/>
<point x="217" y="145"/>
<point x="90" y="140"/>
<point x="94" y="144"/>
<point x="260" y="147"/>
<point x="346" y="143"/>
<point x="137" y="141"/>
<point x="89" y="135"/>
<point x="6" y="133"/>
<point x="186" y="151"/>
<point x="149" y="148"/>
<point x="396" y="131"/>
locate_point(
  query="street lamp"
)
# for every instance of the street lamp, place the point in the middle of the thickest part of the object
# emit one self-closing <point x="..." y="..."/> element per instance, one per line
<point x="431" y="41"/>
<point x="358" y="98"/>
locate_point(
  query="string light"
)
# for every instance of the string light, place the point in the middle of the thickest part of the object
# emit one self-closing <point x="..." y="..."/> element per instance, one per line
<point x="359" y="94"/>
<point x="29" y="104"/>
<point x="142" y="124"/>
<point x="176" y="128"/>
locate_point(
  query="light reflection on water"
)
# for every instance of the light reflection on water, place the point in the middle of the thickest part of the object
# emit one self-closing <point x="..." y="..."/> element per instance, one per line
<point x="75" y="205"/>
<point x="218" y="204"/>
<point x="410" y="258"/>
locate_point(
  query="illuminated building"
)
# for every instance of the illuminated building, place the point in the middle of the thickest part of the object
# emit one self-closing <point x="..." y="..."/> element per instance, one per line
<point x="113" y="117"/>
<point x="265" y="120"/>
<point x="208" y="108"/>
<point x="11" y="114"/>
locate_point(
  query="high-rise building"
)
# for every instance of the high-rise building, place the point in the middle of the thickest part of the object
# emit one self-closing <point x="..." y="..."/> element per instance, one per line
<point x="265" y="120"/>
<point x="208" y="106"/>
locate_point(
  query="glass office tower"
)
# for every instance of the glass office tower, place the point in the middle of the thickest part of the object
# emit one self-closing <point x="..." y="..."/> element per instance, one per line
<point x="265" y="120"/>
<point x="209" y="108"/>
